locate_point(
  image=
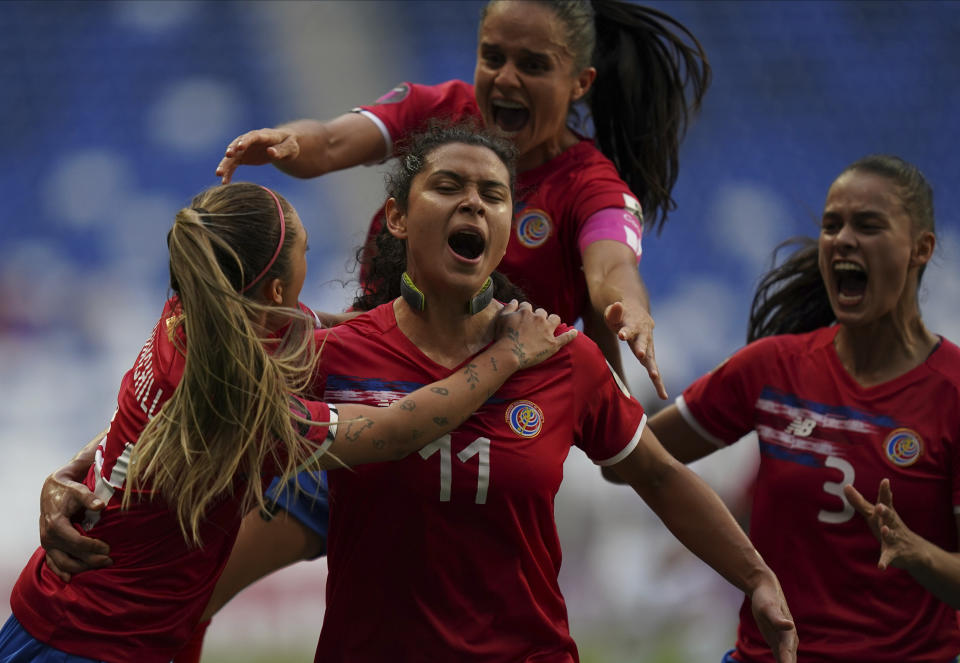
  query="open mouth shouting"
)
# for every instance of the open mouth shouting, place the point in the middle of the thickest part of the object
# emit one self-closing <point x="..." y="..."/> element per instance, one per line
<point x="509" y="116"/>
<point x="851" y="280"/>
<point x="467" y="243"/>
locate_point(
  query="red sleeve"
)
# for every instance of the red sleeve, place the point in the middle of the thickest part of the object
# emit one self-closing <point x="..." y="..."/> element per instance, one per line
<point x="599" y="186"/>
<point x="609" y="421"/>
<point x="720" y="405"/>
<point x="317" y="415"/>
<point x="408" y="107"/>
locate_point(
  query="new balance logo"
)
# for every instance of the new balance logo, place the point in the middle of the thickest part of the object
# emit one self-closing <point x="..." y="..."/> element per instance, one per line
<point x="801" y="427"/>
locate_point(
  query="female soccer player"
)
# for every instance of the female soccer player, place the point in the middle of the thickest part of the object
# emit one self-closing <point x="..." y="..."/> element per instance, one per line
<point x="458" y="542"/>
<point x="578" y="222"/>
<point x="211" y="404"/>
<point x="848" y="415"/>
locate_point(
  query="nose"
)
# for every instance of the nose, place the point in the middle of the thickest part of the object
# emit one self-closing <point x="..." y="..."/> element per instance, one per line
<point x="846" y="237"/>
<point x="507" y="75"/>
<point x="472" y="202"/>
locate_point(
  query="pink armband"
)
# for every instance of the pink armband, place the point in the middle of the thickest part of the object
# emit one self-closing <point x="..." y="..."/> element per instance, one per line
<point x="616" y="223"/>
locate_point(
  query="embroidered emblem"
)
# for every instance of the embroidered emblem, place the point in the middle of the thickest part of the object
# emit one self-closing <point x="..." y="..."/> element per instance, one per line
<point x="903" y="447"/>
<point x="395" y="95"/>
<point x="801" y="427"/>
<point x="524" y="418"/>
<point x="533" y="228"/>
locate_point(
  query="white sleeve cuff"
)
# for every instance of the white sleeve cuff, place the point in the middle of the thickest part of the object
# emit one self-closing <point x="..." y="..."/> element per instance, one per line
<point x="695" y="425"/>
<point x="627" y="450"/>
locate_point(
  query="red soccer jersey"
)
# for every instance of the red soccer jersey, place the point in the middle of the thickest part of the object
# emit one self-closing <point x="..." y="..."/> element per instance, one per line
<point x="552" y="201"/>
<point x="452" y="554"/>
<point x="145" y="606"/>
<point x="819" y="430"/>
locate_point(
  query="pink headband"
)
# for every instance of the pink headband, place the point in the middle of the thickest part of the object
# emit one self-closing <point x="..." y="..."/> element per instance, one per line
<point x="283" y="232"/>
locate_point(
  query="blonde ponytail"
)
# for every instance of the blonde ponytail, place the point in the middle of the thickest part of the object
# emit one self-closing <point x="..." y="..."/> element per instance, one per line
<point x="230" y="414"/>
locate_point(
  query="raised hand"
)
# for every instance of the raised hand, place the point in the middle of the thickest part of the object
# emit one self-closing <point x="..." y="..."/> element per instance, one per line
<point x="256" y="148"/>
<point x="635" y="326"/>
<point x="529" y="333"/>
<point x="899" y="545"/>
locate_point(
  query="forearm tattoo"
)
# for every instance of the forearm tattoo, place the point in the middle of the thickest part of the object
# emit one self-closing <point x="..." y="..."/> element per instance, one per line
<point x="440" y="390"/>
<point x="493" y="364"/>
<point x="473" y="379"/>
<point x="355" y="428"/>
<point x="440" y="421"/>
<point x="408" y="405"/>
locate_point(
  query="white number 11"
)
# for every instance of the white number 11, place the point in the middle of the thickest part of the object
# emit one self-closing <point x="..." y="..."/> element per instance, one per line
<point x="479" y="447"/>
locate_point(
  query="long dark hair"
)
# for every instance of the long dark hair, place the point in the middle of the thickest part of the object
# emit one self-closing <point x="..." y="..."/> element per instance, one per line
<point x="647" y="64"/>
<point x="791" y="298"/>
<point x="384" y="263"/>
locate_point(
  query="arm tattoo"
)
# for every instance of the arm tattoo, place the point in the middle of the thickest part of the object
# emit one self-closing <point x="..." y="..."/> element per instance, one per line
<point x="440" y="390"/>
<point x="414" y="434"/>
<point x="493" y="363"/>
<point x="379" y="444"/>
<point x="361" y="424"/>
<point x="472" y="378"/>
<point x="408" y="405"/>
<point x="517" y="348"/>
<point x="440" y="421"/>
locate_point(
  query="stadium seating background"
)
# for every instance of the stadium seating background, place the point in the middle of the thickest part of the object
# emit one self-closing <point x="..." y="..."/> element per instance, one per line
<point x="115" y="114"/>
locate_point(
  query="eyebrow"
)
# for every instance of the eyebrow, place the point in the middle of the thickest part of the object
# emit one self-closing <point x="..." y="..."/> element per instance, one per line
<point x="452" y="174"/>
<point x="524" y="52"/>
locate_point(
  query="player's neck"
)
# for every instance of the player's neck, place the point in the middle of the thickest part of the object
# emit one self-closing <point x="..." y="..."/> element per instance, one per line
<point x="448" y="335"/>
<point x="882" y="351"/>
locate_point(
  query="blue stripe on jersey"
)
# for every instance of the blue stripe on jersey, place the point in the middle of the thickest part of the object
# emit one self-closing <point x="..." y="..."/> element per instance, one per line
<point x="348" y="383"/>
<point x="353" y="382"/>
<point x="843" y="411"/>
<point x="799" y="457"/>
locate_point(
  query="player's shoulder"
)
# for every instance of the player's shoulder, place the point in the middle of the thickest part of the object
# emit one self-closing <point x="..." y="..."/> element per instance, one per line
<point x="373" y="323"/>
<point x="945" y="360"/>
<point x="793" y="345"/>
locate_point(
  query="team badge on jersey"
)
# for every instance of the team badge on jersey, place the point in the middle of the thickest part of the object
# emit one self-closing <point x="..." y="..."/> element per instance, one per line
<point x="524" y="418"/>
<point x="903" y="447"/>
<point x="533" y="228"/>
<point x="395" y="95"/>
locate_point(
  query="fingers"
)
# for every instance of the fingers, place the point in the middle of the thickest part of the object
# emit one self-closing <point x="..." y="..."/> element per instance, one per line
<point x="66" y="566"/>
<point x="53" y="566"/>
<point x="256" y="148"/>
<point x="566" y="337"/>
<point x="613" y="316"/>
<point x="885" y="495"/>
<point x="62" y="537"/>
<point x="858" y="501"/>
<point x="510" y="307"/>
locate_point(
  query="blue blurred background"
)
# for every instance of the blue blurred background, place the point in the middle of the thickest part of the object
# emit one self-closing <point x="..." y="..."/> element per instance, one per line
<point x="115" y="114"/>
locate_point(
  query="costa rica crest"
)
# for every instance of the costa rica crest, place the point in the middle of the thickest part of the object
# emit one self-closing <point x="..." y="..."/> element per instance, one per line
<point x="524" y="418"/>
<point x="903" y="447"/>
<point x="533" y="228"/>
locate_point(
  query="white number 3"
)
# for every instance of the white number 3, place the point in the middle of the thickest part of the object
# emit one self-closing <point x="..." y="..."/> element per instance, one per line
<point x="836" y="488"/>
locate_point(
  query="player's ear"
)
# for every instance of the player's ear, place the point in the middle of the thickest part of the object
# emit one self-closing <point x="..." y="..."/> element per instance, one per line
<point x="396" y="220"/>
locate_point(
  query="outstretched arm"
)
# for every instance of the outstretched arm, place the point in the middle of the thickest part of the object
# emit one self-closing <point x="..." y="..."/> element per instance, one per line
<point x="698" y="518"/>
<point x="306" y="148"/>
<point x="938" y="570"/>
<point x="62" y="497"/>
<point x="369" y="434"/>
<point x="618" y="295"/>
